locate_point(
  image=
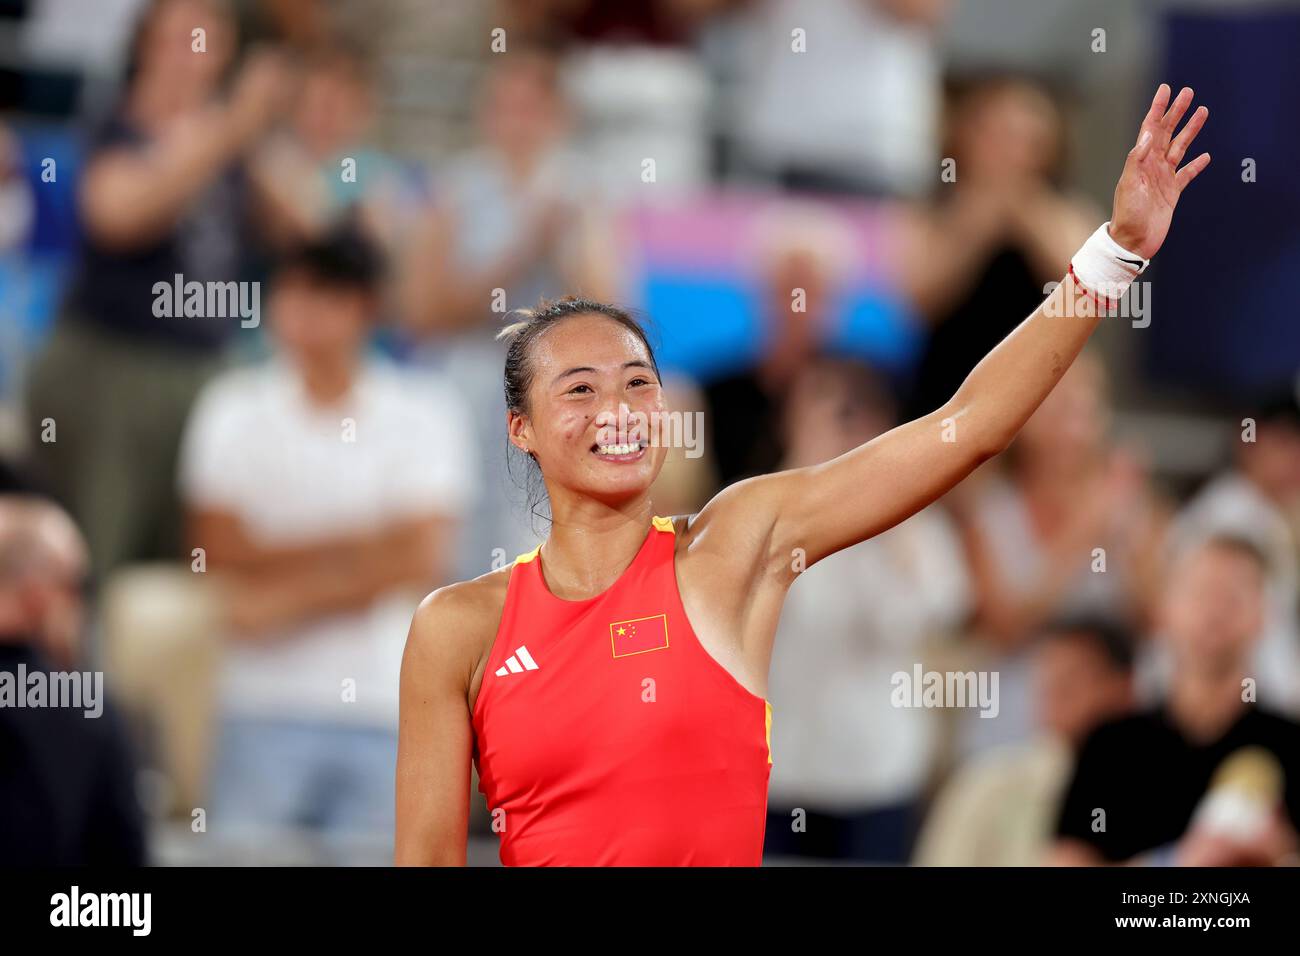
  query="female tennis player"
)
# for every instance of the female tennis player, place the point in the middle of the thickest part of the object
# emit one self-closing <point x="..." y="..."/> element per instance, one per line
<point x="610" y="684"/>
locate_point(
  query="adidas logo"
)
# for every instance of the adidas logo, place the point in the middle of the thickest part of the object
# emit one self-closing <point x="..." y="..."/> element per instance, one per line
<point x="513" y="665"/>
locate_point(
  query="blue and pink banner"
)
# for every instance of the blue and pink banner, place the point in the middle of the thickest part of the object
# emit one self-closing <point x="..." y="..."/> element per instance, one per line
<point x="700" y="273"/>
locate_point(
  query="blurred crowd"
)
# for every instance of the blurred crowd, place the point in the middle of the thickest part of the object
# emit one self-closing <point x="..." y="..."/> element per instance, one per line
<point x="233" y="516"/>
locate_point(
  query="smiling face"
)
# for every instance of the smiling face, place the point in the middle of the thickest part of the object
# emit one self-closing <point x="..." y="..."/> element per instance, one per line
<point x="592" y="408"/>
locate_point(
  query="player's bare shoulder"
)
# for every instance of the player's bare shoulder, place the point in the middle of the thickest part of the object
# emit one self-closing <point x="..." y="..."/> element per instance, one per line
<point x="731" y="537"/>
<point x="453" y="628"/>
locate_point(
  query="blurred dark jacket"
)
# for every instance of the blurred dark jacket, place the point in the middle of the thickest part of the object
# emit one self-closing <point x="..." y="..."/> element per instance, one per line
<point x="67" y="782"/>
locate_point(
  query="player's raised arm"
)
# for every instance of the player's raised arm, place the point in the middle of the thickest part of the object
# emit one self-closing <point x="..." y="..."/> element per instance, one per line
<point x="827" y="507"/>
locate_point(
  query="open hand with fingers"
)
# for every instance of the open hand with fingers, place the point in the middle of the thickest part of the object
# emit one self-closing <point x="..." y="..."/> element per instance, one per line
<point x="1152" y="180"/>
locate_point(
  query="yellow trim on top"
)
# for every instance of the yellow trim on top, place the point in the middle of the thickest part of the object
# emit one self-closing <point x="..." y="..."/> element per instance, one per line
<point x="768" y="706"/>
<point x="663" y="524"/>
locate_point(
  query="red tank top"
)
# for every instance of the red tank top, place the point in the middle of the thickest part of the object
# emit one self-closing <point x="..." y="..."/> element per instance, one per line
<point x="606" y="735"/>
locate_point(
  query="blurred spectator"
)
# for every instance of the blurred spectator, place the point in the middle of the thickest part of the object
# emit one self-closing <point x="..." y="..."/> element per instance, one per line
<point x="638" y="88"/>
<point x="1073" y="526"/>
<point x="1001" y="809"/>
<point x="513" y="223"/>
<point x="857" y="110"/>
<point x="1206" y="777"/>
<point x="162" y="196"/>
<point x="800" y="252"/>
<point x="17" y="205"/>
<point x="853" y="762"/>
<point x="324" y="489"/>
<point x="1256" y="499"/>
<point x="67" y="777"/>
<point x="638" y="103"/>
<point x="319" y="167"/>
<point x="979" y="256"/>
<point x="509" y="213"/>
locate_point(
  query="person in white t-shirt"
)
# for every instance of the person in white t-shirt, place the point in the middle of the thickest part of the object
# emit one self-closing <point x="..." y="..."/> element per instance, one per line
<point x="849" y="104"/>
<point x="324" y="489"/>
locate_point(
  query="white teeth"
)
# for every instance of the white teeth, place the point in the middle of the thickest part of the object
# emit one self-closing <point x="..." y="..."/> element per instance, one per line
<point x="626" y="448"/>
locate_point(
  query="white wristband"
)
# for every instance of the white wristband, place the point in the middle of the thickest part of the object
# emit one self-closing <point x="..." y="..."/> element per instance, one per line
<point x="1104" y="267"/>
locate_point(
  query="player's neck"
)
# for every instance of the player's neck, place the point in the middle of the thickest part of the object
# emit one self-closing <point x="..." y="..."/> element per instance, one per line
<point x="589" y="548"/>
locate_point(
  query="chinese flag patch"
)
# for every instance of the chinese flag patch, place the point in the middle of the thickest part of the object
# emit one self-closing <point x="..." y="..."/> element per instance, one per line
<point x="639" y="635"/>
